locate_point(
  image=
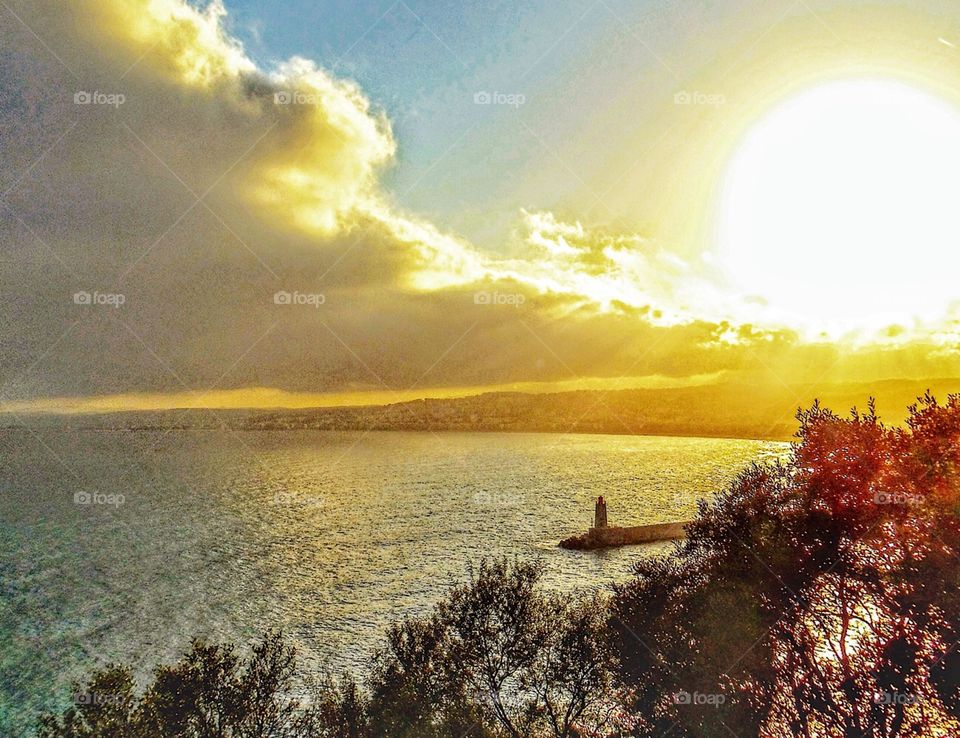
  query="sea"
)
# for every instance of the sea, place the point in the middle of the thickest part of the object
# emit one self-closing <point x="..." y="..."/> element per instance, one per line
<point x="122" y="546"/>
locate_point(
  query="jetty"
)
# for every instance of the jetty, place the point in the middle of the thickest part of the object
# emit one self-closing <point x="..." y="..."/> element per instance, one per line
<point x="602" y="535"/>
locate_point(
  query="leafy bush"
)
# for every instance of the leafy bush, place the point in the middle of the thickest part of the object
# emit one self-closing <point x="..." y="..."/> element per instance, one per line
<point x="814" y="598"/>
<point x="497" y="657"/>
<point x="210" y="693"/>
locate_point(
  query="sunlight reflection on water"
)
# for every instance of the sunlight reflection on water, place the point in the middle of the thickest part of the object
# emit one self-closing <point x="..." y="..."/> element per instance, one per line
<point x="329" y="536"/>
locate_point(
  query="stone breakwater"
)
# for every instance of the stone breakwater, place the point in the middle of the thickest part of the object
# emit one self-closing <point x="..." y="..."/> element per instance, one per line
<point x="610" y="537"/>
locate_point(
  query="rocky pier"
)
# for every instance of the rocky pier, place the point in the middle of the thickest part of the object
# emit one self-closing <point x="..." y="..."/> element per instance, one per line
<point x="602" y="535"/>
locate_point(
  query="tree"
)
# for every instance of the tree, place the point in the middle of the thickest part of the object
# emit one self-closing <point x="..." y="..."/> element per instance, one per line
<point x="209" y="693"/>
<point x="818" y="597"/>
<point x="497" y="657"/>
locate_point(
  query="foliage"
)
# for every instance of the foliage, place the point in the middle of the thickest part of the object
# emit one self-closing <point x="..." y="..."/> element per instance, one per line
<point x="498" y="657"/>
<point x="209" y="693"/>
<point x="814" y="598"/>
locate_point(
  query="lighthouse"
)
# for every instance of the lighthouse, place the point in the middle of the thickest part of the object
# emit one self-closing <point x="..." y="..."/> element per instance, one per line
<point x="602" y="535"/>
<point x="600" y="513"/>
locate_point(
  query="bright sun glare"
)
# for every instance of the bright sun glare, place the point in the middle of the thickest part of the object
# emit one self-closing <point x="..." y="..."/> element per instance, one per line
<point x="840" y="207"/>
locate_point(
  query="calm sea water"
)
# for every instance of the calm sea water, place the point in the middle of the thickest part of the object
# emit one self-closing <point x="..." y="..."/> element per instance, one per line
<point x="122" y="546"/>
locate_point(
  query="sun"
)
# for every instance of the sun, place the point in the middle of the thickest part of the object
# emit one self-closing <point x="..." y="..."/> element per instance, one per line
<point x="839" y="209"/>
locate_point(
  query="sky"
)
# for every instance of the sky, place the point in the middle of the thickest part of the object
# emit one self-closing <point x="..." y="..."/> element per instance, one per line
<point x="257" y="204"/>
<point x="482" y="161"/>
<point x="591" y="75"/>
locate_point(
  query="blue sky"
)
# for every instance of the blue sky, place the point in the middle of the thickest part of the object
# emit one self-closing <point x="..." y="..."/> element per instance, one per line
<point x="471" y="167"/>
<point x="595" y="75"/>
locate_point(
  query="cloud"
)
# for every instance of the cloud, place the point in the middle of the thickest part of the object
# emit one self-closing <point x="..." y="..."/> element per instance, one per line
<point x="215" y="184"/>
<point x="190" y="44"/>
<point x="609" y="270"/>
<point x="318" y="154"/>
<point x="326" y="169"/>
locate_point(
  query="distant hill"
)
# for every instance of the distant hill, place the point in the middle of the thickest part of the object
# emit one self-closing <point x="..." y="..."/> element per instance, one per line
<point x="723" y="410"/>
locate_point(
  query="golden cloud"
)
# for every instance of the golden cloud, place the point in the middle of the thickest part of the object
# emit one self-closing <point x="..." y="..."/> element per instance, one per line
<point x="182" y="42"/>
<point x="320" y="173"/>
<point x="294" y="157"/>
